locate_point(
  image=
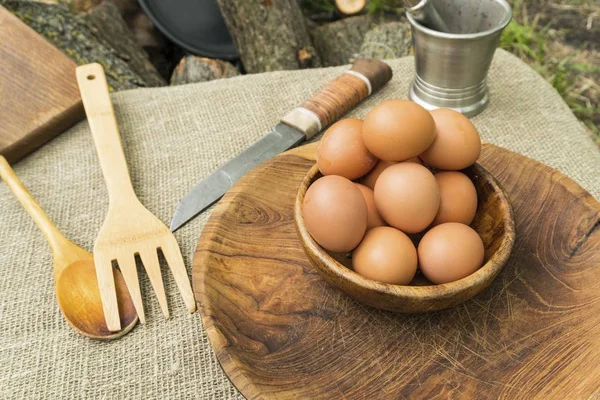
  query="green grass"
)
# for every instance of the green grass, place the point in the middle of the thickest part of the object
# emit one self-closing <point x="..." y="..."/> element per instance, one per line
<point x="524" y="41"/>
<point x="385" y="6"/>
<point x="528" y="41"/>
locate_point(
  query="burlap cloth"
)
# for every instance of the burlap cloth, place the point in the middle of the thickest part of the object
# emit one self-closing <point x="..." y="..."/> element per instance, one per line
<point x="173" y="137"/>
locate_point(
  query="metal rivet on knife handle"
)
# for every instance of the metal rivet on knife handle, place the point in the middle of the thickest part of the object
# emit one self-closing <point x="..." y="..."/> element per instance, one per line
<point x="339" y="96"/>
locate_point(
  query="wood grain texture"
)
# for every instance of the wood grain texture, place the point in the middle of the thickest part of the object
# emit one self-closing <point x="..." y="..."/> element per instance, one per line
<point x="495" y="226"/>
<point x="109" y="24"/>
<point x="376" y="71"/>
<point x="75" y="281"/>
<point x="338" y="42"/>
<point x="38" y="94"/>
<point x="339" y="96"/>
<point x="129" y="228"/>
<point x="280" y="331"/>
<point x="350" y="7"/>
<point x="76" y="37"/>
<point x="192" y="69"/>
<point x="342" y="94"/>
<point x="269" y="35"/>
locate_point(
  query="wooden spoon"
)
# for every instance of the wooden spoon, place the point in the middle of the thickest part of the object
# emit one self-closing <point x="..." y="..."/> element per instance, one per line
<point x="75" y="280"/>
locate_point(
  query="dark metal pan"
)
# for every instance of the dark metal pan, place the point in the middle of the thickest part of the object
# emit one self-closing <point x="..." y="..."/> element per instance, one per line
<point x="195" y="25"/>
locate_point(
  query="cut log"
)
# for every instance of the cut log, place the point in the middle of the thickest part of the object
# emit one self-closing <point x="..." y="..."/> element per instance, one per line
<point x="339" y="42"/>
<point x="192" y="69"/>
<point x="126" y="7"/>
<point x="108" y="22"/>
<point x="75" y="37"/>
<point x="387" y="41"/>
<point x="350" y="7"/>
<point x="163" y="53"/>
<point x="76" y="5"/>
<point x="83" y="5"/>
<point x="270" y="35"/>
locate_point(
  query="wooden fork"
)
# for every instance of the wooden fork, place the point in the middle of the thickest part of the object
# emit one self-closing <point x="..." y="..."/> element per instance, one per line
<point x="129" y="228"/>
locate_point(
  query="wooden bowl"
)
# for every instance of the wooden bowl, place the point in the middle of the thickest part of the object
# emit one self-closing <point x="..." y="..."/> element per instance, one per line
<point x="493" y="222"/>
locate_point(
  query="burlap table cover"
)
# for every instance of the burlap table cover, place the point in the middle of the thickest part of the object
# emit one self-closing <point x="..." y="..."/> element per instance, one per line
<point x="172" y="138"/>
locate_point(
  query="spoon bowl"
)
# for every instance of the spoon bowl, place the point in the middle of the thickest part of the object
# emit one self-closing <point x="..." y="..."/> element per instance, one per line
<point x="75" y="281"/>
<point x="79" y="299"/>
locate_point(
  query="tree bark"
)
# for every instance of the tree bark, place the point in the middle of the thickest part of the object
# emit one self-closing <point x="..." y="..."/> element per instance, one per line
<point x="387" y="41"/>
<point x="163" y="53"/>
<point x="108" y="22"/>
<point x="77" y="39"/>
<point x="83" y="5"/>
<point x="270" y="35"/>
<point x="339" y="42"/>
<point x="192" y="69"/>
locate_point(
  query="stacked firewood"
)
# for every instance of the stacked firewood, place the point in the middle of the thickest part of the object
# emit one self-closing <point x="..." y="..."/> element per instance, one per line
<point x="270" y="35"/>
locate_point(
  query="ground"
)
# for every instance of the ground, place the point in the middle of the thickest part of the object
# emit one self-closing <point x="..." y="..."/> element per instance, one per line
<point x="561" y="40"/>
<point x="558" y="38"/>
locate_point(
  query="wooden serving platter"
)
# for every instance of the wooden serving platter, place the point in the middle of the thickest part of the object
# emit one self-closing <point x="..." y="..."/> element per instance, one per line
<point x="279" y="331"/>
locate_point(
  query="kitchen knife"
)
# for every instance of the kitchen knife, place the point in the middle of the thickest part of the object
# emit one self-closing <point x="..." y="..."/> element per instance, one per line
<point x="326" y="106"/>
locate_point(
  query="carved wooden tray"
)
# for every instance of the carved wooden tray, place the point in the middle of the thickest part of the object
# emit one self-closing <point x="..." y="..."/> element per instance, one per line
<point x="279" y="331"/>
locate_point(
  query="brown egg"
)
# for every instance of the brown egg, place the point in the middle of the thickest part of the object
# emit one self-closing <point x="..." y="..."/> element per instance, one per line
<point x="397" y="130"/>
<point x="458" y="198"/>
<point x="415" y="160"/>
<point x="407" y="197"/>
<point x="335" y="213"/>
<point x="386" y="255"/>
<point x="342" y="151"/>
<point x="373" y="217"/>
<point x="370" y="179"/>
<point x="457" y="143"/>
<point x="449" y="252"/>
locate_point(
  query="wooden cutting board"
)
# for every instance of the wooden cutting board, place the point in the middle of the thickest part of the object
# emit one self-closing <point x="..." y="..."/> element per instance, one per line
<point x="39" y="97"/>
<point x="279" y="331"/>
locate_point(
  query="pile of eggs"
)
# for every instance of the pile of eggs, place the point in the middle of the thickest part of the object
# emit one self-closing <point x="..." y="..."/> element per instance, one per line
<point x="379" y="199"/>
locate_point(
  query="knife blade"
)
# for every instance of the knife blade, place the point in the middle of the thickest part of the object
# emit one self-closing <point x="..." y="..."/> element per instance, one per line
<point x="209" y="190"/>
<point x="326" y="106"/>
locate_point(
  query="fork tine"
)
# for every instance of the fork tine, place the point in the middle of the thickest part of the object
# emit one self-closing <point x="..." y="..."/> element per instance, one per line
<point x="172" y="254"/>
<point x="150" y="260"/>
<point x="108" y="292"/>
<point x="129" y="271"/>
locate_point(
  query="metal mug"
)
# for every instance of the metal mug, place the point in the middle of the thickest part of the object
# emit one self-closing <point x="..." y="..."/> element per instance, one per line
<point x="452" y="66"/>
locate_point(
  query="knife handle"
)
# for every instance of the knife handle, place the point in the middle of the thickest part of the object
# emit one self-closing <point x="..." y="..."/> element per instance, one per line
<point x="339" y="96"/>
